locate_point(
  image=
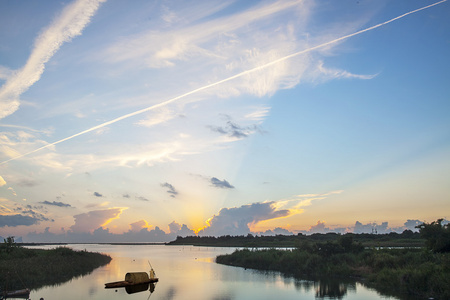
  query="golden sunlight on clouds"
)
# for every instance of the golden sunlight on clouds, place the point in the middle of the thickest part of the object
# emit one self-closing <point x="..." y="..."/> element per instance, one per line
<point x="139" y="225"/>
<point x="87" y="222"/>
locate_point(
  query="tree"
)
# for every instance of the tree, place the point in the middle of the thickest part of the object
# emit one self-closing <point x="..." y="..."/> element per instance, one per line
<point x="437" y="236"/>
<point x="10" y="244"/>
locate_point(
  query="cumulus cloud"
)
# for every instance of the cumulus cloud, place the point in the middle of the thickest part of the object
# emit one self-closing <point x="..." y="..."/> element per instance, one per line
<point x="176" y="229"/>
<point x="371" y="227"/>
<point x="170" y="189"/>
<point x="320" y="227"/>
<point x="411" y="224"/>
<point x="139" y="232"/>
<point x="87" y="222"/>
<point x="221" y="183"/>
<point x="277" y="231"/>
<point x="139" y="225"/>
<point x="2" y="181"/>
<point x="236" y="221"/>
<point x="69" y="24"/>
<point x="56" y="203"/>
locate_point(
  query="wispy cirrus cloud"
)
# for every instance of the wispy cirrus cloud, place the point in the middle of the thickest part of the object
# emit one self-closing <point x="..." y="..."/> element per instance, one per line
<point x="69" y="24"/>
<point x="165" y="48"/>
<point x="257" y="70"/>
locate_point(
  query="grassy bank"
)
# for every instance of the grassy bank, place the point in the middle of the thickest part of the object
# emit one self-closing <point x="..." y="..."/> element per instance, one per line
<point x="33" y="268"/>
<point x="398" y="272"/>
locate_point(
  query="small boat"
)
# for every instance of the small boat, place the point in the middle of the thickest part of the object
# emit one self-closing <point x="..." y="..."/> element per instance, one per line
<point x="125" y="283"/>
<point x="16" y="294"/>
<point x="134" y="278"/>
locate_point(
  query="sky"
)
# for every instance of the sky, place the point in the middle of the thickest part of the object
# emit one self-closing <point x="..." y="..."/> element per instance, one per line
<point x="144" y="120"/>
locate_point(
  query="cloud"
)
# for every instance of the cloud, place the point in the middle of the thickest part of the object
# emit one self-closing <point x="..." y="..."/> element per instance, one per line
<point x="162" y="115"/>
<point x="171" y="190"/>
<point x="262" y="72"/>
<point x="411" y="224"/>
<point x="277" y="231"/>
<point x="371" y="228"/>
<point x="69" y="24"/>
<point x="27" y="216"/>
<point x="27" y="183"/>
<point x="89" y="221"/>
<point x="56" y="203"/>
<point x="5" y="73"/>
<point x="139" y="225"/>
<point x="139" y="232"/>
<point x="96" y="194"/>
<point x="221" y="183"/>
<point x="234" y="130"/>
<point x="166" y="48"/>
<point x="12" y="191"/>
<point x="236" y="221"/>
<point x="336" y="73"/>
<point x="141" y="198"/>
<point x="2" y="181"/>
<point x="320" y="227"/>
<point x="176" y="229"/>
<point x="18" y="220"/>
<point x="258" y="115"/>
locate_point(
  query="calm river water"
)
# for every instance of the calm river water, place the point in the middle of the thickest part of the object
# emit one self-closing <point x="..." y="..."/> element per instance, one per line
<point x="186" y="273"/>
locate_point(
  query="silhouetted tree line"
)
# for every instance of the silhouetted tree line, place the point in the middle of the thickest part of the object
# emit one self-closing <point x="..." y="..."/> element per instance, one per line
<point x="406" y="238"/>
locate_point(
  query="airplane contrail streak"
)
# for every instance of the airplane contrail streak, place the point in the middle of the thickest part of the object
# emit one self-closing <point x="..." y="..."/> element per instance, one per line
<point x="222" y="81"/>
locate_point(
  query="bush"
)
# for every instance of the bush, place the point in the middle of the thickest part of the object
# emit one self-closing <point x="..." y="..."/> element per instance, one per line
<point x="437" y="236"/>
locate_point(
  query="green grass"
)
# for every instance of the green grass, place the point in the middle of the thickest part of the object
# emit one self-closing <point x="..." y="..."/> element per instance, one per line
<point x="396" y="272"/>
<point x="33" y="268"/>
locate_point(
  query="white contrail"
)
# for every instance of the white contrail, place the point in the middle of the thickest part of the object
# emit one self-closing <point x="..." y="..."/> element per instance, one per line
<point x="222" y="81"/>
<point x="71" y="22"/>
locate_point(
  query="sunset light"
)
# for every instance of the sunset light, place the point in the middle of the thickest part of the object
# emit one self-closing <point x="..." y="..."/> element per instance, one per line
<point x="143" y="121"/>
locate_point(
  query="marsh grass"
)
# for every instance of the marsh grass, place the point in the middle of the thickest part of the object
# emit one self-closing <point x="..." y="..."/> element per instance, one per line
<point x="34" y="268"/>
<point x="397" y="272"/>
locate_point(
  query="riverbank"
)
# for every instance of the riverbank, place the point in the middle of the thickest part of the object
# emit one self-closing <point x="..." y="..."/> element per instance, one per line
<point x="33" y="268"/>
<point x="404" y="273"/>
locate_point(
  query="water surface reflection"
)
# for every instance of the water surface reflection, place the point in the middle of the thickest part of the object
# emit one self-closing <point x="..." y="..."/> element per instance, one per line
<point x="187" y="272"/>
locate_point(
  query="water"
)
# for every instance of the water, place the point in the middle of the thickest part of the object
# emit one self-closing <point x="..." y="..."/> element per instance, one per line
<point x="187" y="272"/>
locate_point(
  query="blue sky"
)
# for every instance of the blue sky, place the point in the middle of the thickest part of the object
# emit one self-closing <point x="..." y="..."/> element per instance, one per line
<point x="222" y="117"/>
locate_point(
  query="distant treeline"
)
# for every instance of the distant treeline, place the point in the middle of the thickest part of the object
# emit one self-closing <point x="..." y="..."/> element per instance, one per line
<point x="406" y="239"/>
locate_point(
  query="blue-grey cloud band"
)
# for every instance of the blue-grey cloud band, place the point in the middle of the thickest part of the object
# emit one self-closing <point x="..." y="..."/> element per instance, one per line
<point x="259" y="68"/>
